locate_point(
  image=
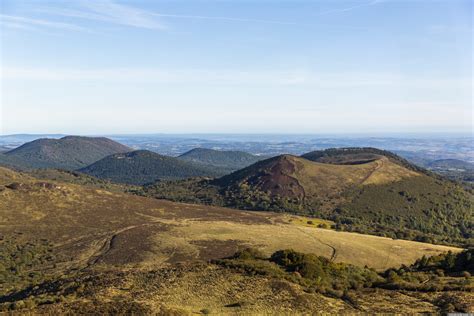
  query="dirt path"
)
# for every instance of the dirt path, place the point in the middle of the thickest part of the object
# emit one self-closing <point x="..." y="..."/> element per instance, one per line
<point x="333" y="249"/>
<point x="108" y="243"/>
<point x="379" y="165"/>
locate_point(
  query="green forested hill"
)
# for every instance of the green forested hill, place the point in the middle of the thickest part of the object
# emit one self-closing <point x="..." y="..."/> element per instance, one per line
<point x="16" y="163"/>
<point x="70" y="152"/>
<point x="142" y="166"/>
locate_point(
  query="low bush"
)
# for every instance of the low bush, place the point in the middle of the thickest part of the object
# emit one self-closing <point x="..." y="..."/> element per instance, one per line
<point x="316" y="273"/>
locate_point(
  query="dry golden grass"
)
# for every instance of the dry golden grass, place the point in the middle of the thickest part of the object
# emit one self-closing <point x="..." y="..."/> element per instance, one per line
<point x="320" y="179"/>
<point x="224" y="292"/>
<point x="210" y="289"/>
<point x="358" y="249"/>
<point x="7" y="176"/>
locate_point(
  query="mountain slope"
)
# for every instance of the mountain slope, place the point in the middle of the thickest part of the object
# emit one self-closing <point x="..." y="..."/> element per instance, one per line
<point x="326" y="176"/>
<point x="143" y="166"/>
<point x="298" y="181"/>
<point x="227" y="160"/>
<point x="369" y="192"/>
<point x="16" y="163"/>
<point x="70" y="152"/>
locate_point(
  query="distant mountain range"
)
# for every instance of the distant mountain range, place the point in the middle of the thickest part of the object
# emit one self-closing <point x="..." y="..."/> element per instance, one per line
<point x="143" y="166"/>
<point x="101" y="157"/>
<point x="226" y="160"/>
<point x="69" y="153"/>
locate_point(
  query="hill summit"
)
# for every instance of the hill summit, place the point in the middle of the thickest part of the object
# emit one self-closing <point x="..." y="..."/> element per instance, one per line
<point x="357" y="155"/>
<point x="293" y="179"/>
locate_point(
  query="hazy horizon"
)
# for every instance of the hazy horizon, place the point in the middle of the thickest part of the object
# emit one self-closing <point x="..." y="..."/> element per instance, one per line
<point x="269" y="134"/>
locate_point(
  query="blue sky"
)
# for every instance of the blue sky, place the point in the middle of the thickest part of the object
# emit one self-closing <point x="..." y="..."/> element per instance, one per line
<point x="370" y="66"/>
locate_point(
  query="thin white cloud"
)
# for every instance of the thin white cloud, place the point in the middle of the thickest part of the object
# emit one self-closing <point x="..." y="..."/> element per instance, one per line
<point x="14" y="25"/>
<point x="108" y="11"/>
<point x="347" y="9"/>
<point x="101" y="10"/>
<point x="222" y="18"/>
<point x="111" y="12"/>
<point x="138" y="22"/>
<point x="25" y="23"/>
